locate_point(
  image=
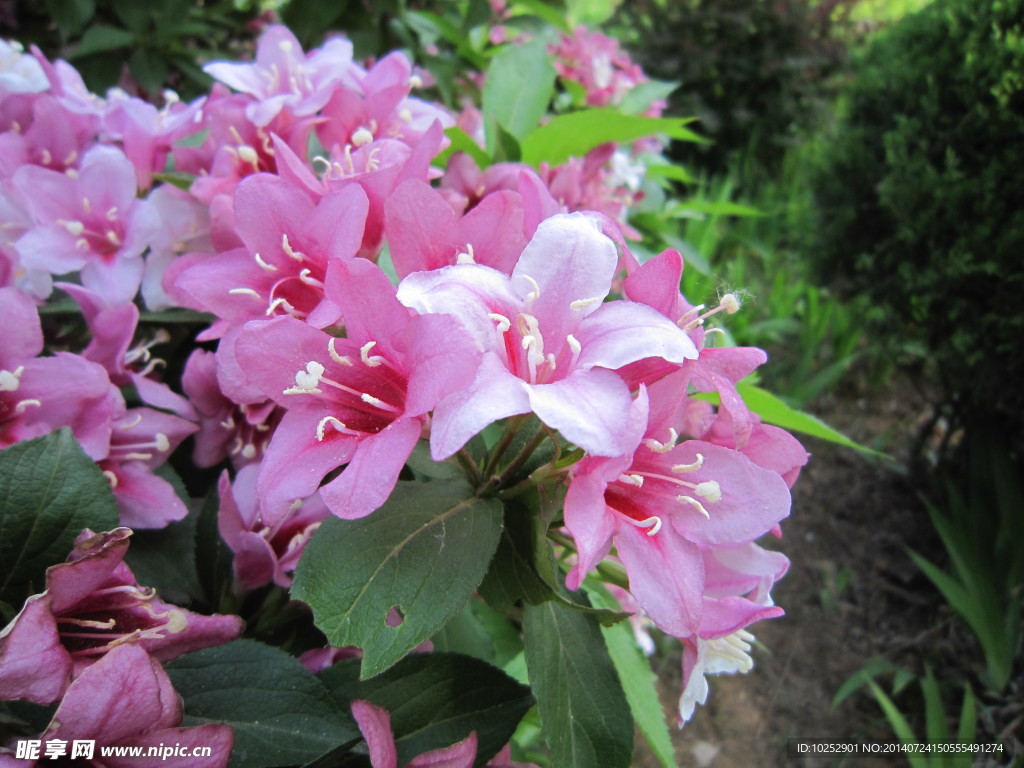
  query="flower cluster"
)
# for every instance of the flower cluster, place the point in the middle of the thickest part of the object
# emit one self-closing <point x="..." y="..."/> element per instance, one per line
<point x="364" y="303"/>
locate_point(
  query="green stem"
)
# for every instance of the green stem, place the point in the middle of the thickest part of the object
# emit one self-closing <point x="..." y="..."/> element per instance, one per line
<point x="469" y="466"/>
<point x="519" y="460"/>
<point x="506" y="440"/>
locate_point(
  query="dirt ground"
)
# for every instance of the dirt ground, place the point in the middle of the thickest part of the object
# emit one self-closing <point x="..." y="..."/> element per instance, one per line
<point x="851" y="593"/>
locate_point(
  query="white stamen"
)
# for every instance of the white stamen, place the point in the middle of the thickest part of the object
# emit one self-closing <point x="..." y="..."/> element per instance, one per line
<point x="362" y="136"/>
<point x="503" y="322"/>
<point x="86" y="205"/>
<point x="405" y="116"/>
<point x="306" y="381"/>
<point x="282" y="302"/>
<point x="339" y="359"/>
<point x="263" y="264"/>
<point x="659" y="447"/>
<point x="415" y="81"/>
<point x="378" y="403"/>
<point x="246" y="291"/>
<point x="654" y="523"/>
<point x="697" y="464"/>
<point x="575" y="346"/>
<point x="287" y="248"/>
<point x="112" y="213"/>
<point x="9" y="380"/>
<point x="579" y="304"/>
<point x="371" y="360"/>
<point x="161" y="443"/>
<point x="306" y="276"/>
<point x="709" y="490"/>
<point x="285" y="46"/>
<point x="695" y="504"/>
<point x="23" y="405"/>
<point x="74" y="227"/>
<point x="730" y="303"/>
<point x="466" y="257"/>
<point x="131" y="424"/>
<point x="113" y="238"/>
<point x="228" y="423"/>
<point x="138" y="456"/>
<point x="248" y="155"/>
<point x="535" y="293"/>
<point x="249" y="451"/>
<point x="339" y="426"/>
<point x="111" y="478"/>
<point x="633" y="479"/>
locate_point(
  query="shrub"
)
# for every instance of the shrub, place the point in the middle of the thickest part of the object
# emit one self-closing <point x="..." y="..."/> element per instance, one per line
<point x="918" y="196"/>
<point x="753" y="71"/>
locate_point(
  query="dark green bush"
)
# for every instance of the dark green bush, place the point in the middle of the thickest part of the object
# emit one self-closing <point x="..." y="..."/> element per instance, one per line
<point x="754" y="71"/>
<point x="919" y="197"/>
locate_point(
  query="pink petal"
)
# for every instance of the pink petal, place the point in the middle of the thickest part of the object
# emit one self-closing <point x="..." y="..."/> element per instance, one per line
<point x="666" y="575"/>
<point x="590" y="408"/>
<point x="459" y="755"/>
<point x="622" y="332"/>
<point x="33" y="664"/>
<point x="375" y="725"/>
<point x="368" y="480"/>
<point x="124" y="694"/>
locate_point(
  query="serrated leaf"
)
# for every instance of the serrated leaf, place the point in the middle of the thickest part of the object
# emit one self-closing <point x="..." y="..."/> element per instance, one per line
<point x="519" y="87"/>
<point x="49" y="491"/>
<point x="638" y="681"/>
<point x="437" y="699"/>
<point x="423" y="553"/>
<point x="280" y="712"/>
<point x="575" y="134"/>
<point x="583" y="710"/>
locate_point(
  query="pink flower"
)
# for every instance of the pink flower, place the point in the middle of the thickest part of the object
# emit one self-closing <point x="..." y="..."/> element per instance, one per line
<point x="375" y="725"/>
<point x="283" y="77"/>
<point x="661" y="506"/>
<point x="288" y="241"/>
<point x="551" y="346"/>
<point x="91" y="606"/>
<point x="126" y="699"/>
<point x="263" y="553"/>
<point x="142" y="439"/>
<point x="39" y="395"/>
<point x="226" y="428"/>
<point x="91" y="223"/>
<point x="361" y="400"/>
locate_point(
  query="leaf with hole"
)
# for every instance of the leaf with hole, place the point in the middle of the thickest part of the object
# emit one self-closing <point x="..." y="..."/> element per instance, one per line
<point x="420" y="556"/>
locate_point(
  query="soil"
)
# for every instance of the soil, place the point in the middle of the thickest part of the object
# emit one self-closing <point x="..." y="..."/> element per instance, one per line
<point x="852" y="593"/>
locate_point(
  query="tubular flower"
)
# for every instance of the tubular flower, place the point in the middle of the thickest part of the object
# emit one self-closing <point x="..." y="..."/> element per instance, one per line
<point x="92" y="605"/>
<point x="661" y="506"/>
<point x="362" y="400"/>
<point x="551" y="346"/>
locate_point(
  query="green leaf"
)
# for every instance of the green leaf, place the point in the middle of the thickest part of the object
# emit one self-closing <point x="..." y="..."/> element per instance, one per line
<point x="462" y="142"/>
<point x="542" y="10"/>
<point x="583" y="710"/>
<point x="519" y="87"/>
<point x="638" y="681"/>
<point x="280" y="713"/>
<point x="899" y="724"/>
<point x="437" y="699"/>
<point x="773" y="411"/>
<point x="102" y="39"/>
<point x="968" y="725"/>
<point x="49" y="491"/>
<point x="673" y="172"/>
<point x="423" y="552"/>
<point x="876" y="665"/>
<point x="639" y="98"/>
<point x="714" y="207"/>
<point x="70" y="15"/>
<point x="575" y="134"/>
